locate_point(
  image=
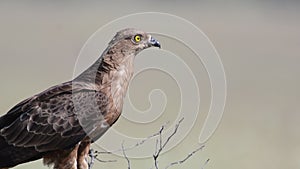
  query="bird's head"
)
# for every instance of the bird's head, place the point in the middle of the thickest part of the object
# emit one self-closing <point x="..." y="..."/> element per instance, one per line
<point x="132" y="41"/>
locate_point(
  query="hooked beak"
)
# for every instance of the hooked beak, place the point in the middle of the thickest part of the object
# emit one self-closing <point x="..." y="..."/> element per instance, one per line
<point x="154" y="42"/>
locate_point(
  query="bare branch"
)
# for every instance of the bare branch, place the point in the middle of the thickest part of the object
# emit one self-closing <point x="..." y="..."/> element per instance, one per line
<point x="136" y="144"/>
<point x="205" y="163"/>
<point x="160" y="135"/>
<point x="96" y="153"/>
<point x="95" y="156"/>
<point x="106" y="161"/>
<point x="160" y="146"/>
<point x="127" y="159"/>
<point x="163" y="145"/>
<point x="186" y="158"/>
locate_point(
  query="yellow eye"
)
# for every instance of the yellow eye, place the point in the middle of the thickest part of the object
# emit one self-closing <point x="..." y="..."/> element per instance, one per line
<point x="137" y="38"/>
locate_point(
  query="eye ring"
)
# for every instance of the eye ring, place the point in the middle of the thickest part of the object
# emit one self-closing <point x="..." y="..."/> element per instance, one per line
<point x="137" y="38"/>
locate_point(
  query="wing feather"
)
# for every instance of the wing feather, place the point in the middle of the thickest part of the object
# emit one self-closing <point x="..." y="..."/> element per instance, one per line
<point x="58" y="118"/>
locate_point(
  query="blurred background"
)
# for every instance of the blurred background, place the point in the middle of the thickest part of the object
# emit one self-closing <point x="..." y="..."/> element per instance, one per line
<point x="258" y="42"/>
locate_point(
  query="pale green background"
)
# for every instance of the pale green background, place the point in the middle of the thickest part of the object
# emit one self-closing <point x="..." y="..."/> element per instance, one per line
<point x="258" y="43"/>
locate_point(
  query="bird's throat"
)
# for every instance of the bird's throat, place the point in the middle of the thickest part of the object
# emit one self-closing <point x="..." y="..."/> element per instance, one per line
<point x="110" y="74"/>
<point x="117" y="78"/>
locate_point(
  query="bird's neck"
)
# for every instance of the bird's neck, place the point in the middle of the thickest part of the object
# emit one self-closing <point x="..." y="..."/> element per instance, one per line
<point x="112" y="69"/>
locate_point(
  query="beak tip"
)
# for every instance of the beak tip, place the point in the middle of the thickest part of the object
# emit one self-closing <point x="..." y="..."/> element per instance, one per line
<point x="155" y="43"/>
<point x="158" y="45"/>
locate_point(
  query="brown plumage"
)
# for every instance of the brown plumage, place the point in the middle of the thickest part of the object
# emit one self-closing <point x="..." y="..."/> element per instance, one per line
<point x="60" y="123"/>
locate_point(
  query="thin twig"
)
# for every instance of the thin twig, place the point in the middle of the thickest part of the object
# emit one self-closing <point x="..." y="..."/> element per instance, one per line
<point x="186" y="158"/>
<point x="105" y="161"/>
<point x="205" y="163"/>
<point x="175" y="131"/>
<point x="134" y="145"/>
<point x="163" y="145"/>
<point x="125" y="156"/>
<point x="95" y="154"/>
<point x="160" y="146"/>
<point x="160" y="136"/>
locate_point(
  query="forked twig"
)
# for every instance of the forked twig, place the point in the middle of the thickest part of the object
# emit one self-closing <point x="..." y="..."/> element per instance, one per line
<point x="163" y="145"/>
<point x="160" y="145"/>
<point x="94" y="156"/>
<point x="134" y="145"/>
<point x="125" y="156"/>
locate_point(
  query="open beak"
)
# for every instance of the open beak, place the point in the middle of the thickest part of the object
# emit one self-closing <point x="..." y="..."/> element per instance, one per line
<point x="154" y="42"/>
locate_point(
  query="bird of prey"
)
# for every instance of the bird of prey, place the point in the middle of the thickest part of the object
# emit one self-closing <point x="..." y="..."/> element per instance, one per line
<point x="60" y="123"/>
